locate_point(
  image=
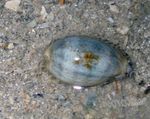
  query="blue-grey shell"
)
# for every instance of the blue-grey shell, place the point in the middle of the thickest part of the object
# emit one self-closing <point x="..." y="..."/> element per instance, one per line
<point x="84" y="61"/>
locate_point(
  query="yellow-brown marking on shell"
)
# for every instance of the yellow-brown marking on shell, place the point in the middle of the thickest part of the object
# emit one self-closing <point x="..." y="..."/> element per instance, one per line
<point x="88" y="66"/>
<point x="87" y="60"/>
<point x="89" y="57"/>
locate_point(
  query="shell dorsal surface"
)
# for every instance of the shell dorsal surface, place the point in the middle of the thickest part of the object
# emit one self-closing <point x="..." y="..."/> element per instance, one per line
<point x="84" y="61"/>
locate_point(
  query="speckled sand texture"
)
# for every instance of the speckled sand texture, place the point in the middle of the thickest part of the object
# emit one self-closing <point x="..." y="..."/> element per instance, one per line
<point x="28" y="26"/>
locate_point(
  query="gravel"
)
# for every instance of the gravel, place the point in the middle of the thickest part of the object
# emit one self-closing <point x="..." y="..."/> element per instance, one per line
<point x="28" y="92"/>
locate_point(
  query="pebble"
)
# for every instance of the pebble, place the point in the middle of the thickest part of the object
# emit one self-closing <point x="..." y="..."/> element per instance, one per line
<point x="38" y="95"/>
<point x="43" y="13"/>
<point x="114" y="8"/>
<point x="123" y="30"/>
<point x="110" y="19"/>
<point x="88" y="116"/>
<point x="77" y="87"/>
<point x="12" y="5"/>
<point x="10" y="46"/>
<point x="43" y="25"/>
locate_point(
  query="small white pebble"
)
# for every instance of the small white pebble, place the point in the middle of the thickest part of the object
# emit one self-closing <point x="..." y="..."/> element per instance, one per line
<point x="110" y="19"/>
<point x="77" y="87"/>
<point x="10" y="46"/>
<point x="109" y="97"/>
<point x="12" y="5"/>
<point x="43" y="25"/>
<point x="113" y="93"/>
<point x="114" y="8"/>
<point x="33" y="30"/>
<point x="43" y="13"/>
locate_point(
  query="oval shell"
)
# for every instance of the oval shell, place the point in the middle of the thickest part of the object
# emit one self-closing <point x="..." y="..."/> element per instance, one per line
<point x="85" y="61"/>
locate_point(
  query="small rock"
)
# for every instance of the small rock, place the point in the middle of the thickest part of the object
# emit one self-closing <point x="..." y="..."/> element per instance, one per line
<point x="10" y="46"/>
<point x="38" y="95"/>
<point x="88" y="116"/>
<point x="77" y="87"/>
<point x="43" y="25"/>
<point x="114" y="8"/>
<point x="110" y="19"/>
<point x="12" y="5"/>
<point x="123" y="30"/>
<point x="7" y="45"/>
<point x="43" y="13"/>
<point x="91" y="114"/>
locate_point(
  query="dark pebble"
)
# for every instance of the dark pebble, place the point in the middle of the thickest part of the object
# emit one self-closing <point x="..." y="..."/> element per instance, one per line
<point x="38" y="95"/>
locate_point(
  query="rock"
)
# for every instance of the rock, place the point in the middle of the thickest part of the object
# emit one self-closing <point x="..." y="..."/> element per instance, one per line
<point x="38" y="95"/>
<point x="114" y="8"/>
<point x="88" y="116"/>
<point x="110" y="19"/>
<point x="10" y="46"/>
<point x="77" y="87"/>
<point x="12" y="5"/>
<point x="123" y="30"/>
<point x="43" y="13"/>
<point x="43" y="25"/>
